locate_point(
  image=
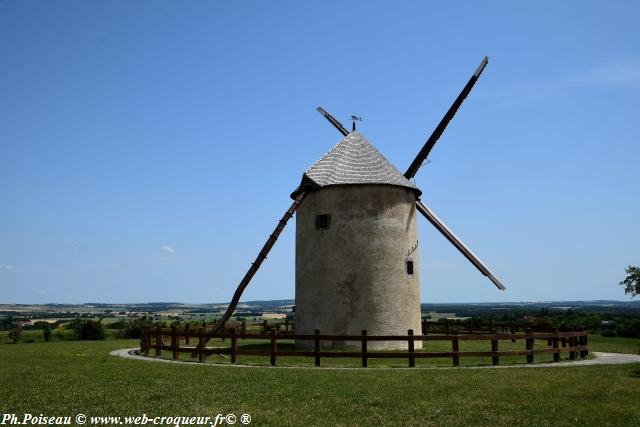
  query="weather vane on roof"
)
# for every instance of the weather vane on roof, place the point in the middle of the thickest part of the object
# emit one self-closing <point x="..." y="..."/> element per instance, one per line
<point x="355" y="119"/>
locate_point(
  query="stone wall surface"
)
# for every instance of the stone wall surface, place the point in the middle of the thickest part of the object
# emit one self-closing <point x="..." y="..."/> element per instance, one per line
<point x="352" y="275"/>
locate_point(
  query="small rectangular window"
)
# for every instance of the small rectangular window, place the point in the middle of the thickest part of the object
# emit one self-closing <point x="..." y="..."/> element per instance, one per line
<point x="322" y="221"/>
<point x="410" y="267"/>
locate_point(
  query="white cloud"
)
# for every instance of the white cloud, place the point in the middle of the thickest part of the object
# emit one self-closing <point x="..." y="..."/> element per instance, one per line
<point x="169" y="249"/>
<point x="6" y="267"/>
<point x="623" y="73"/>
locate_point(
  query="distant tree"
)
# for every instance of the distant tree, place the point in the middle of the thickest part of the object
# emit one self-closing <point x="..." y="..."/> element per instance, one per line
<point x="46" y="332"/>
<point x="133" y="328"/>
<point x="15" y="332"/>
<point x="87" y="329"/>
<point x="6" y="323"/>
<point x="632" y="282"/>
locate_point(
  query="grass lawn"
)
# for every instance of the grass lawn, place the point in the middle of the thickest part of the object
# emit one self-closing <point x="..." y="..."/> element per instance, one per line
<point x="69" y="377"/>
<point x="614" y="344"/>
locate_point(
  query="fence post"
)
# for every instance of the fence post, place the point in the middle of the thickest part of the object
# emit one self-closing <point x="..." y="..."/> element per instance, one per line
<point x="273" y="347"/>
<point x="234" y="345"/>
<point x="201" y="350"/>
<point x="586" y="344"/>
<point x="581" y="341"/>
<point x="572" y="344"/>
<point x="264" y="326"/>
<point x="316" y="347"/>
<point x="174" y="342"/>
<point x="149" y="334"/>
<point x="364" y="348"/>
<point x="446" y="327"/>
<point x="158" y="341"/>
<point x="286" y="326"/>
<point x="412" y="358"/>
<point x="187" y="331"/>
<point x="495" y="359"/>
<point x="455" y="347"/>
<point x="556" y="346"/>
<point x="143" y="338"/>
<point x="529" y="345"/>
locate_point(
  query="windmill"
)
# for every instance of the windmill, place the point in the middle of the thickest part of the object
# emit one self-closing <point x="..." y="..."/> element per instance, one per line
<point x="356" y="245"/>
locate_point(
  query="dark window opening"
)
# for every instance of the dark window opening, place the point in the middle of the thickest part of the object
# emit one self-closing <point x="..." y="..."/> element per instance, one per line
<point x="322" y="221"/>
<point x="410" y="267"/>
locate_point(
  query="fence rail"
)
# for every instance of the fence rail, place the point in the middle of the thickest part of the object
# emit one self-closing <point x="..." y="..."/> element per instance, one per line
<point x="442" y="326"/>
<point x="573" y="342"/>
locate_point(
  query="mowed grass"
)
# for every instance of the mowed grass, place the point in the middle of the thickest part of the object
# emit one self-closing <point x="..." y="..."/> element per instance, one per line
<point x="614" y="344"/>
<point x="69" y="377"/>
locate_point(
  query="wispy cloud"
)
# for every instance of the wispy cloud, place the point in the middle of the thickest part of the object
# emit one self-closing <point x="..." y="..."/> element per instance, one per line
<point x="623" y="73"/>
<point x="616" y="74"/>
<point x="169" y="249"/>
<point x="6" y="267"/>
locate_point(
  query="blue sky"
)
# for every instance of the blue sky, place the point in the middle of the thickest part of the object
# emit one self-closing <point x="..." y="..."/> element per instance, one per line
<point x="147" y="149"/>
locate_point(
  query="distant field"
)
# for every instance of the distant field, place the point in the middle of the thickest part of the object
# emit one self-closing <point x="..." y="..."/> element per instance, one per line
<point x="69" y="377"/>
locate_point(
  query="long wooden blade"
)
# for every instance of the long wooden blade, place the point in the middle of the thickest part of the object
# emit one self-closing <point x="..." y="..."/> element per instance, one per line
<point x="333" y="121"/>
<point x="258" y="261"/>
<point x="428" y="146"/>
<point x="422" y="155"/>
<point x="448" y="234"/>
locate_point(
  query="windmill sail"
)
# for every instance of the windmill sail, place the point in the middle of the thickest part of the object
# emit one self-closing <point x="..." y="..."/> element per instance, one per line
<point x="258" y="261"/>
<point x="333" y="121"/>
<point x="413" y="168"/>
<point x="422" y="155"/>
<point x="442" y="228"/>
<point x="435" y="135"/>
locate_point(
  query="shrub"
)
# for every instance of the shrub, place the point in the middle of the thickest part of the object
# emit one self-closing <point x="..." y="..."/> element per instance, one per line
<point x="15" y="332"/>
<point x="120" y="324"/>
<point x="87" y="329"/>
<point x="46" y="332"/>
<point x="134" y="328"/>
<point x="60" y="333"/>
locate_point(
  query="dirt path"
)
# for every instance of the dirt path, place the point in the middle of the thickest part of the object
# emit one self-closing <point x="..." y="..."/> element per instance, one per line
<point x="599" y="359"/>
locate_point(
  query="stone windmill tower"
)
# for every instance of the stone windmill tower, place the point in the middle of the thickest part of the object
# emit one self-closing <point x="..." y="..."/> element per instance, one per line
<point x="356" y="241"/>
<point x="356" y="246"/>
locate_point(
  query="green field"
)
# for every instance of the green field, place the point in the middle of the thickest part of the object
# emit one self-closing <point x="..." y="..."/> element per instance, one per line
<point x="69" y="377"/>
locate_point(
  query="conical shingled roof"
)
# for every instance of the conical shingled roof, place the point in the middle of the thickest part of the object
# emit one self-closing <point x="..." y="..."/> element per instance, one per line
<point x="353" y="160"/>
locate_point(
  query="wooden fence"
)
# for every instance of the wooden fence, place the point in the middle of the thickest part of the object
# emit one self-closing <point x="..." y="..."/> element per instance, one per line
<point x="242" y="327"/>
<point x="442" y="326"/>
<point x="572" y="342"/>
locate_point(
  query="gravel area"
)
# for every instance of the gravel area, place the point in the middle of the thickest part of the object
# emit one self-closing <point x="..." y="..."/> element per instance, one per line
<point x="599" y="359"/>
